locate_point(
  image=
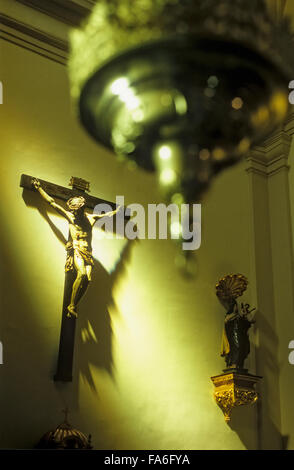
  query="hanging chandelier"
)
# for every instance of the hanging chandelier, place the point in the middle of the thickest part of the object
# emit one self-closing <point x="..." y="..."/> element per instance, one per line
<point x="183" y="88"/>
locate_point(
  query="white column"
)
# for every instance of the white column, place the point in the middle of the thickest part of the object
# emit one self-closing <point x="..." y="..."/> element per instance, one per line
<point x="272" y="287"/>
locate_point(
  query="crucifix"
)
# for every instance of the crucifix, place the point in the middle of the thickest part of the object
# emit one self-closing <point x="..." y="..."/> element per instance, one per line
<point x="79" y="261"/>
<point x="66" y="413"/>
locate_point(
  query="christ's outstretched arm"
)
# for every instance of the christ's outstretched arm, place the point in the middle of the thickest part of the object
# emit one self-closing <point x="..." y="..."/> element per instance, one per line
<point x="37" y="185"/>
<point x="94" y="217"/>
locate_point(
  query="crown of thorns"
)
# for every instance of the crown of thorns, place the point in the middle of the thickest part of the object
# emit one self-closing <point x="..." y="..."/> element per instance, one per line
<point x="76" y="202"/>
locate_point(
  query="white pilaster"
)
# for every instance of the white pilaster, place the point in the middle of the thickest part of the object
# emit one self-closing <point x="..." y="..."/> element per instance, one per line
<point x="272" y="274"/>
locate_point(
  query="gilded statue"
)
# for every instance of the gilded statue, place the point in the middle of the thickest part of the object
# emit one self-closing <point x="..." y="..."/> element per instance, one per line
<point x="79" y="246"/>
<point x="235" y="345"/>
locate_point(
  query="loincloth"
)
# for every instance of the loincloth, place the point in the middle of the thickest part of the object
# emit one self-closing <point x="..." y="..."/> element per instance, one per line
<point x="76" y="248"/>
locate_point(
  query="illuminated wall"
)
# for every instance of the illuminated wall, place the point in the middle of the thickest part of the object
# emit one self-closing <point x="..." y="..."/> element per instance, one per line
<point x="147" y="339"/>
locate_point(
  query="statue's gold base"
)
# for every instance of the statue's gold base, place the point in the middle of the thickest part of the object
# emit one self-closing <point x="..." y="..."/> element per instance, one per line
<point x="234" y="389"/>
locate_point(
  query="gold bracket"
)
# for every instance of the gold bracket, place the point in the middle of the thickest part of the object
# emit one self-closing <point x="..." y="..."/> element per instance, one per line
<point x="233" y="390"/>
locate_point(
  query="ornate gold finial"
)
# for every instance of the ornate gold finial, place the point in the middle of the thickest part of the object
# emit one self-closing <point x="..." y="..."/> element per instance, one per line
<point x="79" y="183"/>
<point x="65" y="436"/>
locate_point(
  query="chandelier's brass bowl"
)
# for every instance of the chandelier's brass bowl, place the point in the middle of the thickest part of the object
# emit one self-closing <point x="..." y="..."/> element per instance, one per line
<point x="185" y="107"/>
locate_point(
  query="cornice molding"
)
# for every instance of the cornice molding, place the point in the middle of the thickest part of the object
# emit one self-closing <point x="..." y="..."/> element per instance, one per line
<point x="67" y="11"/>
<point x="289" y="124"/>
<point x="32" y="36"/>
<point x="266" y="169"/>
<point x="256" y="166"/>
<point x="271" y="157"/>
<point x="277" y="144"/>
<point x="33" y="39"/>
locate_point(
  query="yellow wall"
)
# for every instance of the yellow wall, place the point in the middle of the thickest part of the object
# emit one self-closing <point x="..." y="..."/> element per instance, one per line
<point x="144" y="382"/>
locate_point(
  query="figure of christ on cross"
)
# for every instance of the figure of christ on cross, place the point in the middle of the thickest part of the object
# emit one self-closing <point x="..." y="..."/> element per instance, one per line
<point x="79" y="246"/>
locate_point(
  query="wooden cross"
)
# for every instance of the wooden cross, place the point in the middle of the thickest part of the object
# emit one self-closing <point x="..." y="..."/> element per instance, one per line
<point x="68" y="324"/>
